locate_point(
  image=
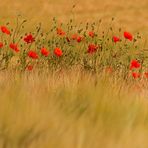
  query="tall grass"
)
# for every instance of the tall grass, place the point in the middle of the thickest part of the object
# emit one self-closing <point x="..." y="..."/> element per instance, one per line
<point x="71" y="109"/>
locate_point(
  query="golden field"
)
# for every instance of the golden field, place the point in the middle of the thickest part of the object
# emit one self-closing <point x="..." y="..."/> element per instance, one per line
<point x="129" y="14"/>
<point x="74" y="108"/>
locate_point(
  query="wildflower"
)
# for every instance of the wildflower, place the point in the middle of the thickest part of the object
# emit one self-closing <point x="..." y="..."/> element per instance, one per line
<point x="58" y="52"/>
<point x="136" y="75"/>
<point x="116" y="39"/>
<point x="60" y="32"/>
<point x="134" y="64"/>
<point x="91" y="34"/>
<point x="74" y="36"/>
<point x="29" y="67"/>
<point x="128" y="36"/>
<point x="79" y="39"/>
<point x="33" y="54"/>
<point x="146" y="74"/>
<point x="14" y="47"/>
<point x="92" y="48"/>
<point x="5" y="30"/>
<point x="44" y="52"/>
<point x="109" y="70"/>
<point x="29" y="39"/>
<point x="1" y="45"/>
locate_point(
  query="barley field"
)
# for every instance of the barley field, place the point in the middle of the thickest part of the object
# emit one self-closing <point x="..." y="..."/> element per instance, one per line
<point x="73" y="74"/>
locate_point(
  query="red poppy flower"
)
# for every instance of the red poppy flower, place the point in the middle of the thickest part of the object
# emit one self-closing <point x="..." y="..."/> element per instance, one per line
<point x="33" y="54"/>
<point x="134" y="64"/>
<point x="44" y="52"/>
<point x="1" y="45"/>
<point x="29" y="67"/>
<point x="116" y="39"/>
<point x="58" y="52"/>
<point x="5" y="30"/>
<point x="74" y="36"/>
<point x="14" y="47"/>
<point x="91" y="34"/>
<point x="128" y="36"/>
<point x="29" y="39"/>
<point x="79" y="39"/>
<point x="92" y="48"/>
<point x="136" y="75"/>
<point x="146" y="74"/>
<point x="109" y="70"/>
<point x="60" y="32"/>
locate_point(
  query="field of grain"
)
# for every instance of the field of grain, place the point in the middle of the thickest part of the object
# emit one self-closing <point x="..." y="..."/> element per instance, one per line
<point x="128" y="13"/>
<point x="74" y="106"/>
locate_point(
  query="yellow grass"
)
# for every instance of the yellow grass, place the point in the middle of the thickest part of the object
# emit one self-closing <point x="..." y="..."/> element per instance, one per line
<point x="63" y="111"/>
<point x="131" y="14"/>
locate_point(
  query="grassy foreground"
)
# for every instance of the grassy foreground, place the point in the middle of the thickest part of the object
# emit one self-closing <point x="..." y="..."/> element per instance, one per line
<point x="71" y="110"/>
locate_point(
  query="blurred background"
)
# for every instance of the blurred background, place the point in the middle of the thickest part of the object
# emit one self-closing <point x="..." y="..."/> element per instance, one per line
<point x="130" y="14"/>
